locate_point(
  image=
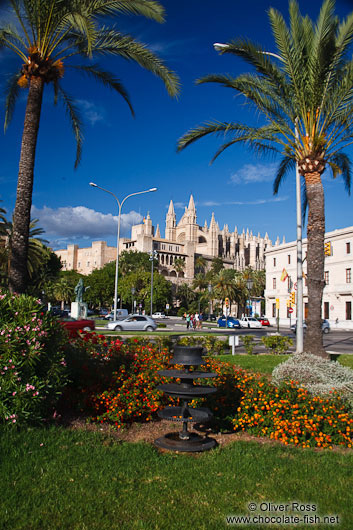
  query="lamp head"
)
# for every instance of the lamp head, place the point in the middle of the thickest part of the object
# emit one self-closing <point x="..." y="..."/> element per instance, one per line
<point x="152" y="189"/>
<point x="219" y="47"/>
<point x="93" y="185"/>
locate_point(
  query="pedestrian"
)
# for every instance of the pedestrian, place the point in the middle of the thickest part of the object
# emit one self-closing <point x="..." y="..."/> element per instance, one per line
<point x="200" y="320"/>
<point x="193" y="320"/>
<point x="187" y="318"/>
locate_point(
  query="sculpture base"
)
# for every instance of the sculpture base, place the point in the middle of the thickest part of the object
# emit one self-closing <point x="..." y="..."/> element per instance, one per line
<point x="79" y="310"/>
<point x="194" y="443"/>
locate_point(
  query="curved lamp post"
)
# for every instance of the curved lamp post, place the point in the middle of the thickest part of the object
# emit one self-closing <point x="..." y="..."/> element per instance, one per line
<point x="249" y="285"/>
<point x="120" y="204"/>
<point x="153" y="255"/>
<point x="300" y="331"/>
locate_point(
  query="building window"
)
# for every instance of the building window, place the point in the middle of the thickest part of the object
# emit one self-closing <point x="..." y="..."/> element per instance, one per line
<point x="326" y="310"/>
<point x="348" y="310"/>
<point x="274" y="283"/>
<point x="326" y="278"/>
<point x="348" y="248"/>
<point x="288" y="259"/>
<point x="274" y="262"/>
<point x="274" y="310"/>
<point x="79" y="264"/>
<point x="88" y="263"/>
<point x="348" y="275"/>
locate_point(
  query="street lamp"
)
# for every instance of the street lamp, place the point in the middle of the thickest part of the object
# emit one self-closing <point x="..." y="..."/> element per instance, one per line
<point x="219" y="47"/>
<point x="209" y="287"/>
<point x="133" y="291"/>
<point x="249" y="285"/>
<point x="120" y="204"/>
<point x="153" y="255"/>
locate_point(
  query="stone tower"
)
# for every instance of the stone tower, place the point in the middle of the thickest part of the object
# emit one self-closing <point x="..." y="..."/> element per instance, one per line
<point x="170" y="223"/>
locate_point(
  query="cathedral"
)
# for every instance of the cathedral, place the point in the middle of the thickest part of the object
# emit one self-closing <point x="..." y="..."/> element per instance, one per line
<point x="185" y="240"/>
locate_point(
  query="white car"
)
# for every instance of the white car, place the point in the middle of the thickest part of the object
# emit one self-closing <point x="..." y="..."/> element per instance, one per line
<point x="133" y="323"/>
<point x="249" y="322"/>
<point x="159" y="315"/>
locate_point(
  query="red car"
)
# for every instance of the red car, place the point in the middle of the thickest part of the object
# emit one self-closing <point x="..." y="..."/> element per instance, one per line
<point x="264" y="321"/>
<point x="73" y="326"/>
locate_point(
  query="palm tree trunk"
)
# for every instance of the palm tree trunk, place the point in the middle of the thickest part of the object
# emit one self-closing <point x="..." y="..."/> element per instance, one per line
<point x="22" y="213"/>
<point x="315" y="262"/>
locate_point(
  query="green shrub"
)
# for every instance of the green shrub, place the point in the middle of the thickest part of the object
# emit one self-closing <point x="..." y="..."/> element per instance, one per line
<point x="319" y="376"/>
<point x="248" y="342"/>
<point x="211" y="344"/>
<point x="32" y="365"/>
<point x="276" y="343"/>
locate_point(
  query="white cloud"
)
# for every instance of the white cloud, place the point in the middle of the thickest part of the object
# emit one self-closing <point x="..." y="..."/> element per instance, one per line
<point x="92" y="113"/>
<point x="251" y="173"/>
<point x="245" y="203"/>
<point x="82" y="222"/>
<point x="179" y="205"/>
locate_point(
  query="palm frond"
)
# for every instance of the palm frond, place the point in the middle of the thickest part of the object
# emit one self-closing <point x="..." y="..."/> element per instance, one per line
<point x="108" y="80"/>
<point x="287" y="163"/>
<point x="343" y="163"/>
<point x="147" y="9"/>
<point x="111" y="42"/>
<point x="12" y="94"/>
<point x="75" y="119"/>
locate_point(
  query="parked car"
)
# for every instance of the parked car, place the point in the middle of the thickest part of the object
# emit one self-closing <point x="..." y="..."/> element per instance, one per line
<point x="133" y="323"/>
<point x="250" y="322"/>
<point x="73" y="325"/>
<point x="264" y="321"/>
<point x="103" y="312"/>
<point x="158" y="314"/>
<point x="325" y="326"/>
<point x="231" y="322"/>
<point x="120" y="313"/>
<point x="58" y="312"/>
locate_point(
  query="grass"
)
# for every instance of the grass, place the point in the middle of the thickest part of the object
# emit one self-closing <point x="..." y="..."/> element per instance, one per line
<point x="266" y="363"/>
<point x="56" y="478"/>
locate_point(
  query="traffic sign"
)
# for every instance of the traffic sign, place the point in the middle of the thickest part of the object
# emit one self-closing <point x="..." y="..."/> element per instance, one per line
<point x="290" y="309"/>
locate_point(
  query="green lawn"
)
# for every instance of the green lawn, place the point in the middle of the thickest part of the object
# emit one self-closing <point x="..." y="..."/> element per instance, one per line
<point x="60" y="479"/>
<point x="266" y="363"/>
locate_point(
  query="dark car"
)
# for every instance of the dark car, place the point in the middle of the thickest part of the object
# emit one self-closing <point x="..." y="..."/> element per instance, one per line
<point x="231" y="322"/>
<point x="73" y="325"/>
<point x="325" y="326"/>
<point x="210" y="317"/>
<point x="58" y="312"/>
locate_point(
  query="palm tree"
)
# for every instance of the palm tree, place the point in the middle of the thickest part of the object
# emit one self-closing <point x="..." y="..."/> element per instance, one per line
<point x="48" y="35"/>
<point x="200" y="264"/>
<point x="63" y="291"/>
<point x="225" y="286"/>
<point x="304" y="93"/>
<point x="179" y="266"/>
<point x="38" y="252"/>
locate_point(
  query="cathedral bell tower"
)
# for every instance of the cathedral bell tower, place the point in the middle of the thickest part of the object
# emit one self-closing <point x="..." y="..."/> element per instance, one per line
<point x="170" y="223"/>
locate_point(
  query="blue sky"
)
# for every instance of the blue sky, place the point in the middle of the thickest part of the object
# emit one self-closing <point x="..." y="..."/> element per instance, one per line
<point x="125" y="154"/>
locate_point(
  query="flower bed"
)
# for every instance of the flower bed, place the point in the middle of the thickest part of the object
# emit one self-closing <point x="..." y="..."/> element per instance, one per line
<point x="116" y="383"/>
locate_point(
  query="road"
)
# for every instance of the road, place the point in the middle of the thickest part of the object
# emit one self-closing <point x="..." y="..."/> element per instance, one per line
<point x="339" y="341"/>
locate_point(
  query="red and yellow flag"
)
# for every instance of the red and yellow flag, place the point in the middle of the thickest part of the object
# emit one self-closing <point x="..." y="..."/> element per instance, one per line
<point x="284" y="275"/>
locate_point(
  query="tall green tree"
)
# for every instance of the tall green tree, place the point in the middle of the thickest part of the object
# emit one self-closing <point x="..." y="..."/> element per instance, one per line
<point x="304" y="92"/>
<point x="49" y="36"/>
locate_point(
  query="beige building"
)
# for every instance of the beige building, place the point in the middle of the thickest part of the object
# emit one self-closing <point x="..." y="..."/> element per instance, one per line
<point x="184" y="239"/>
<point x="281" y="277"/>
